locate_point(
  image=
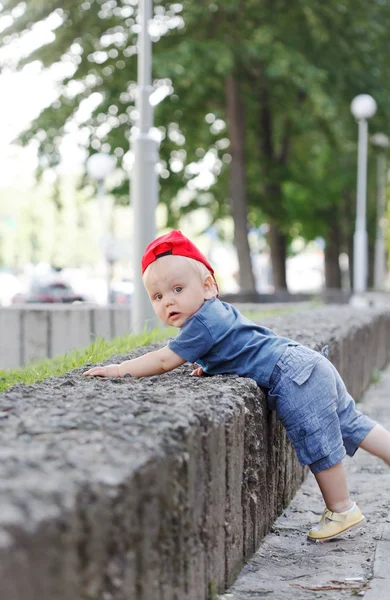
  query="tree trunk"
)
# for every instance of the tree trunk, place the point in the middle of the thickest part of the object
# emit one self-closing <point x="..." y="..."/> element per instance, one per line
<point x="238" y="187"/>
<point x="278" y="249"/>
<point x="272" y="159"/>
<point x="351" y="258"/>
<point x="347" y="221"/>
<point x="370" y="265"/>
<point x="332" y="253"/>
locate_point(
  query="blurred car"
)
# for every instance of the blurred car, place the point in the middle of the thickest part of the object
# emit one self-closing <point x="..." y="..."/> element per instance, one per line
<point x="121" y="292"/>
<point x="9" y="286"/>
<point x="48" y="292"/>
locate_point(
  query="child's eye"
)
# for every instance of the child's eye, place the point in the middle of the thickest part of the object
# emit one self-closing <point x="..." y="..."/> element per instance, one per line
<point x="158" y="297"/>
<point x="177" y="289"/>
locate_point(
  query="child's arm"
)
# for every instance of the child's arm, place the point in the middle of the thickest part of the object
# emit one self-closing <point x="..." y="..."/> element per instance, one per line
<point x="152" y="363"/>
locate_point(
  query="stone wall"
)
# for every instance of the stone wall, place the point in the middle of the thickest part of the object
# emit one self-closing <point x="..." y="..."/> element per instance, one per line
<point x="154" y="488"/>
<point x="34" y="331"/>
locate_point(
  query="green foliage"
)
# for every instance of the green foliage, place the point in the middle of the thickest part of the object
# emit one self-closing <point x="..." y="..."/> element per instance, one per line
<point x="212" y="593"/>
<point x="257" y="315"/>
<point x="375" y="376"/>
<point x="299" y="65"/>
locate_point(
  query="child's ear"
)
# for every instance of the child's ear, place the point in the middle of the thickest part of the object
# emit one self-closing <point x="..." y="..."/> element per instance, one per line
<point x="209" y="287"/>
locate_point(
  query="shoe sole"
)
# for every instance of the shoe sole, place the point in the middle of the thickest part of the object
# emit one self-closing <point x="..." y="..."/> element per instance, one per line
<point x="331" y="537"/>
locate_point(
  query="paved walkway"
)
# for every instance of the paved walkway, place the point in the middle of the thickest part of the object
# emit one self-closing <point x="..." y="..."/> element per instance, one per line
<point x="288" y="566"/>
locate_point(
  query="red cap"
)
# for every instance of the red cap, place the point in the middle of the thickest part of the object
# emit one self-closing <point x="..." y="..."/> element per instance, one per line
<point x="177" y="244"/>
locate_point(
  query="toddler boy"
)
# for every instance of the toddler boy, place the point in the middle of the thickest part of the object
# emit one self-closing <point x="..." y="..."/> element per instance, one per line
<point x="303" y="387"/>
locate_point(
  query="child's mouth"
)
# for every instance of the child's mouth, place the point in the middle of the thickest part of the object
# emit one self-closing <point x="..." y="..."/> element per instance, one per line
<point x="174" y="315"/>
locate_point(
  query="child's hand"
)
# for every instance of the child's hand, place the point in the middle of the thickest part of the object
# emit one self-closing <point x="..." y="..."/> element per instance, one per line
<point x="198" y="372"/>
<point x="108" y="371"/>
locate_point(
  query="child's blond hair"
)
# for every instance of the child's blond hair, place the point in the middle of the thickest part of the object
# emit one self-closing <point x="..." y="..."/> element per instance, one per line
<point x="200" y="269"/>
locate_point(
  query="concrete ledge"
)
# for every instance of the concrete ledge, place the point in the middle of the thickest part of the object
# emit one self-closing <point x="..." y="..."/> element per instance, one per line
<point x="156" y="488"/>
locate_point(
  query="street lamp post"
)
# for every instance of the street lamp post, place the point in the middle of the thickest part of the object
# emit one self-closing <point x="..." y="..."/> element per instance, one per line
<point x="382" y="143"/>
<point x="144" y="190"/>
<point x="99" y="166"/>
<point x="363" y="107"/>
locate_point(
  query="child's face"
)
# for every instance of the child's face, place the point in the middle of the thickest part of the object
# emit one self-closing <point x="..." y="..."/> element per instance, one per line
<point x="176" y="290"/>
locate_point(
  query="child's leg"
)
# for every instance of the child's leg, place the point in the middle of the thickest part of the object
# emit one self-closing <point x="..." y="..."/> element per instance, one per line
<point x="377" y="442"/>
<point x="333" y="485"/>
<point x="340" y="514"/>
<point x="333" y="482"/>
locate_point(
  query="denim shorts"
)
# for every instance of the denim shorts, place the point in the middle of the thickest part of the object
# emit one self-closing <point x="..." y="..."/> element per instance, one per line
<point x="313" y="404"/>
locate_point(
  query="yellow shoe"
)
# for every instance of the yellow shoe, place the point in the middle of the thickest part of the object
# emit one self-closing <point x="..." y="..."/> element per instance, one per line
<point x="334" y="524"/>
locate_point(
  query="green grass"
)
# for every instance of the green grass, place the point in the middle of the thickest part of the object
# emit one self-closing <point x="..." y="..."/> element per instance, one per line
<point x="375" y="376"/>
<point x="98" y="351"/>
<point x="257" y="315"/>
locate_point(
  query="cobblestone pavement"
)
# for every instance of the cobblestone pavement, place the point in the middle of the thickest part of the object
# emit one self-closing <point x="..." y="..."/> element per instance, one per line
<point x="288" y="566"/>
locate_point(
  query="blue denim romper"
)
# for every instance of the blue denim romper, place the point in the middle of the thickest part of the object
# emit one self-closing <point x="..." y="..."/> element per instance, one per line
<point x="313" y="404"/>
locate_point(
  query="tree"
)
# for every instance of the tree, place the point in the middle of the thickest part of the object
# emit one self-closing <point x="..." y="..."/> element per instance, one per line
<point x="291" y="68"/>
<point x="317" y="58"/>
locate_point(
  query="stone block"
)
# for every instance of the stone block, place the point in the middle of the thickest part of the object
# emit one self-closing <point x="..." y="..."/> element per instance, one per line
<point x="10" y="338"/>
<point x="102" y="323"/>
<point x="121" y="320"/>
<point x="69" y="329"/>
<point x="35" y="334"/>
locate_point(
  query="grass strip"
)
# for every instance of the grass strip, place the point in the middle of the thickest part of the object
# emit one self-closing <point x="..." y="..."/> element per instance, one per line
<point x="98" y="351"/>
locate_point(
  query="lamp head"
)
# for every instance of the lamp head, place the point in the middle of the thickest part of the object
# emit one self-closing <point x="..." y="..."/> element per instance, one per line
<point x="363" y="107"/>
<point x="380" y="140"/>
<point x="100" y="165"/>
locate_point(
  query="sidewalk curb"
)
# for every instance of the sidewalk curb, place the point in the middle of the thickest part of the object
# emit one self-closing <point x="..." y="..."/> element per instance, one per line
<point x="380" y="583"/>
